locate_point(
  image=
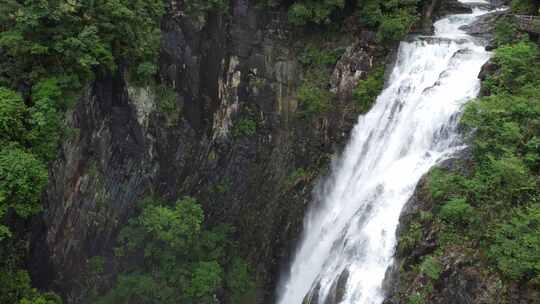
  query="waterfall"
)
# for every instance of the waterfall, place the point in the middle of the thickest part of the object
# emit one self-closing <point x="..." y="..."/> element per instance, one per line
<point x="349" y="235"/>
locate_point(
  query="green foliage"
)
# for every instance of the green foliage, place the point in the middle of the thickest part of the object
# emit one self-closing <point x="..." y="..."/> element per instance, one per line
<point x="38" y="127"/>
<point x="23" y="177"/>
<point x="139" y="288"/>
<point x="223" y="186"/>
<point x="320" y="12"/>
<point x="412" y="232"/>
<point x="45" y="118"/>
<point x="367" y="90"/>
<point x="46" y="298"/>
<point x="395" y="26"/>
<point x="431" y="268"/>
<point x="198" y="8"/>
<point x="457" y="211"/>
<point x="518" y="67"/>
<point x="524" y="6"/>
<point x="315" y="56"/>
<point x="238" y="280"/>
<point x="166" y="99"/>
<point x="180" y="261"/>
<point x="71" y="39"/>
<point x="506" y="32"/>
<point x="15" y="287"/>
<point x="504" y="124"/>
<point x="12" y="111"/>
<point x="245" y="126"/>
<point x="443" y="185"/>
<point x="410" y="237"/>
<point x="392" y="19"/>
<point x="371" y="13"/>
<point x="205" y="279"/>
<point x="416" y="298"/>
<point x="313" y="100"/>
<point x="516" y="245"/>
<point x="176" y="227"/>
<point x="296" y="176"/>
<point x="167" y="103"/>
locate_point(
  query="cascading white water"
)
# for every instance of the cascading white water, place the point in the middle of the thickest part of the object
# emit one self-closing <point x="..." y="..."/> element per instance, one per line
<point x="349" y="237"/>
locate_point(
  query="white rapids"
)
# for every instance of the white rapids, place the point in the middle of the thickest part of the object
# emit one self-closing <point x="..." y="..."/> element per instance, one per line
<point x="350" y="231"/>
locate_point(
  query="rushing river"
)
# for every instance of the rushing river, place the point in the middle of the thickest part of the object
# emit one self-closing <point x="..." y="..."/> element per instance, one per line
<point x="349" y="236"/>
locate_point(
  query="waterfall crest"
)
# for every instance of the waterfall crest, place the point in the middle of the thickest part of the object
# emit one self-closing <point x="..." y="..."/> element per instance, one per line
<point x="349" y="237"/>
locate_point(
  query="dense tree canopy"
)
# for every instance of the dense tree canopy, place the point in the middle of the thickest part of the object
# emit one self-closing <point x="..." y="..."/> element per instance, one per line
<point x="71" y="39"/>
<point x="180" y="260"/>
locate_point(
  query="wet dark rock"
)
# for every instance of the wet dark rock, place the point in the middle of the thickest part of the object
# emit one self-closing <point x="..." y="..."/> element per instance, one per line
<point x="483" y="26"/>
<point x="436" y="9"/>
<point x="335" y="295"/>
<point x="338" y="289"/>
<point x="313" y="295"/>
<point x="499" y="3"/>
<point x="488" y="69"/>
<point x="449" y="7"/>
<point x="355" y="63"/>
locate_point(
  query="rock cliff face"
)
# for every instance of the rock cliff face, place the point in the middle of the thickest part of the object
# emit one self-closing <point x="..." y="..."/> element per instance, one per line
<point x="226" y="69"/>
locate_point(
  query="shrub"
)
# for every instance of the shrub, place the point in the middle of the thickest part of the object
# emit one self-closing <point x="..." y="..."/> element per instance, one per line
<point x="457" y="211"/>
<point x="12" y="111"/>
<point x="238" y="280"/>
<point x="205" y="279"/>
<point x="416" y="298"/>
<point x="314" y="56"/>
<point x="516" y="245"/>
<point x="306" y="11"/>
<point x="518" y="66"/>
<point x="299" y="14"/>
<point x="395" y="26"/>
<point x="505" y="32"/>
<point x="198" y="8"/>
<point x="371" y="13"/>
<point x="245" y="127"/>
<point x="367" y="91"/>
<point x="167" y="104"/>
<point x="313" y="100"/>
<point x="410" y="237"/>
<point x="443" y="185"/>
<point x="296" y="176"/>
<point x="523" y="6"/>
<point x="23" y="179"/>
<point x="431" y="267"/>
<point x="15" y="287"/>
<point x="45" y="118"/>
<point x="392" y="19"/>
